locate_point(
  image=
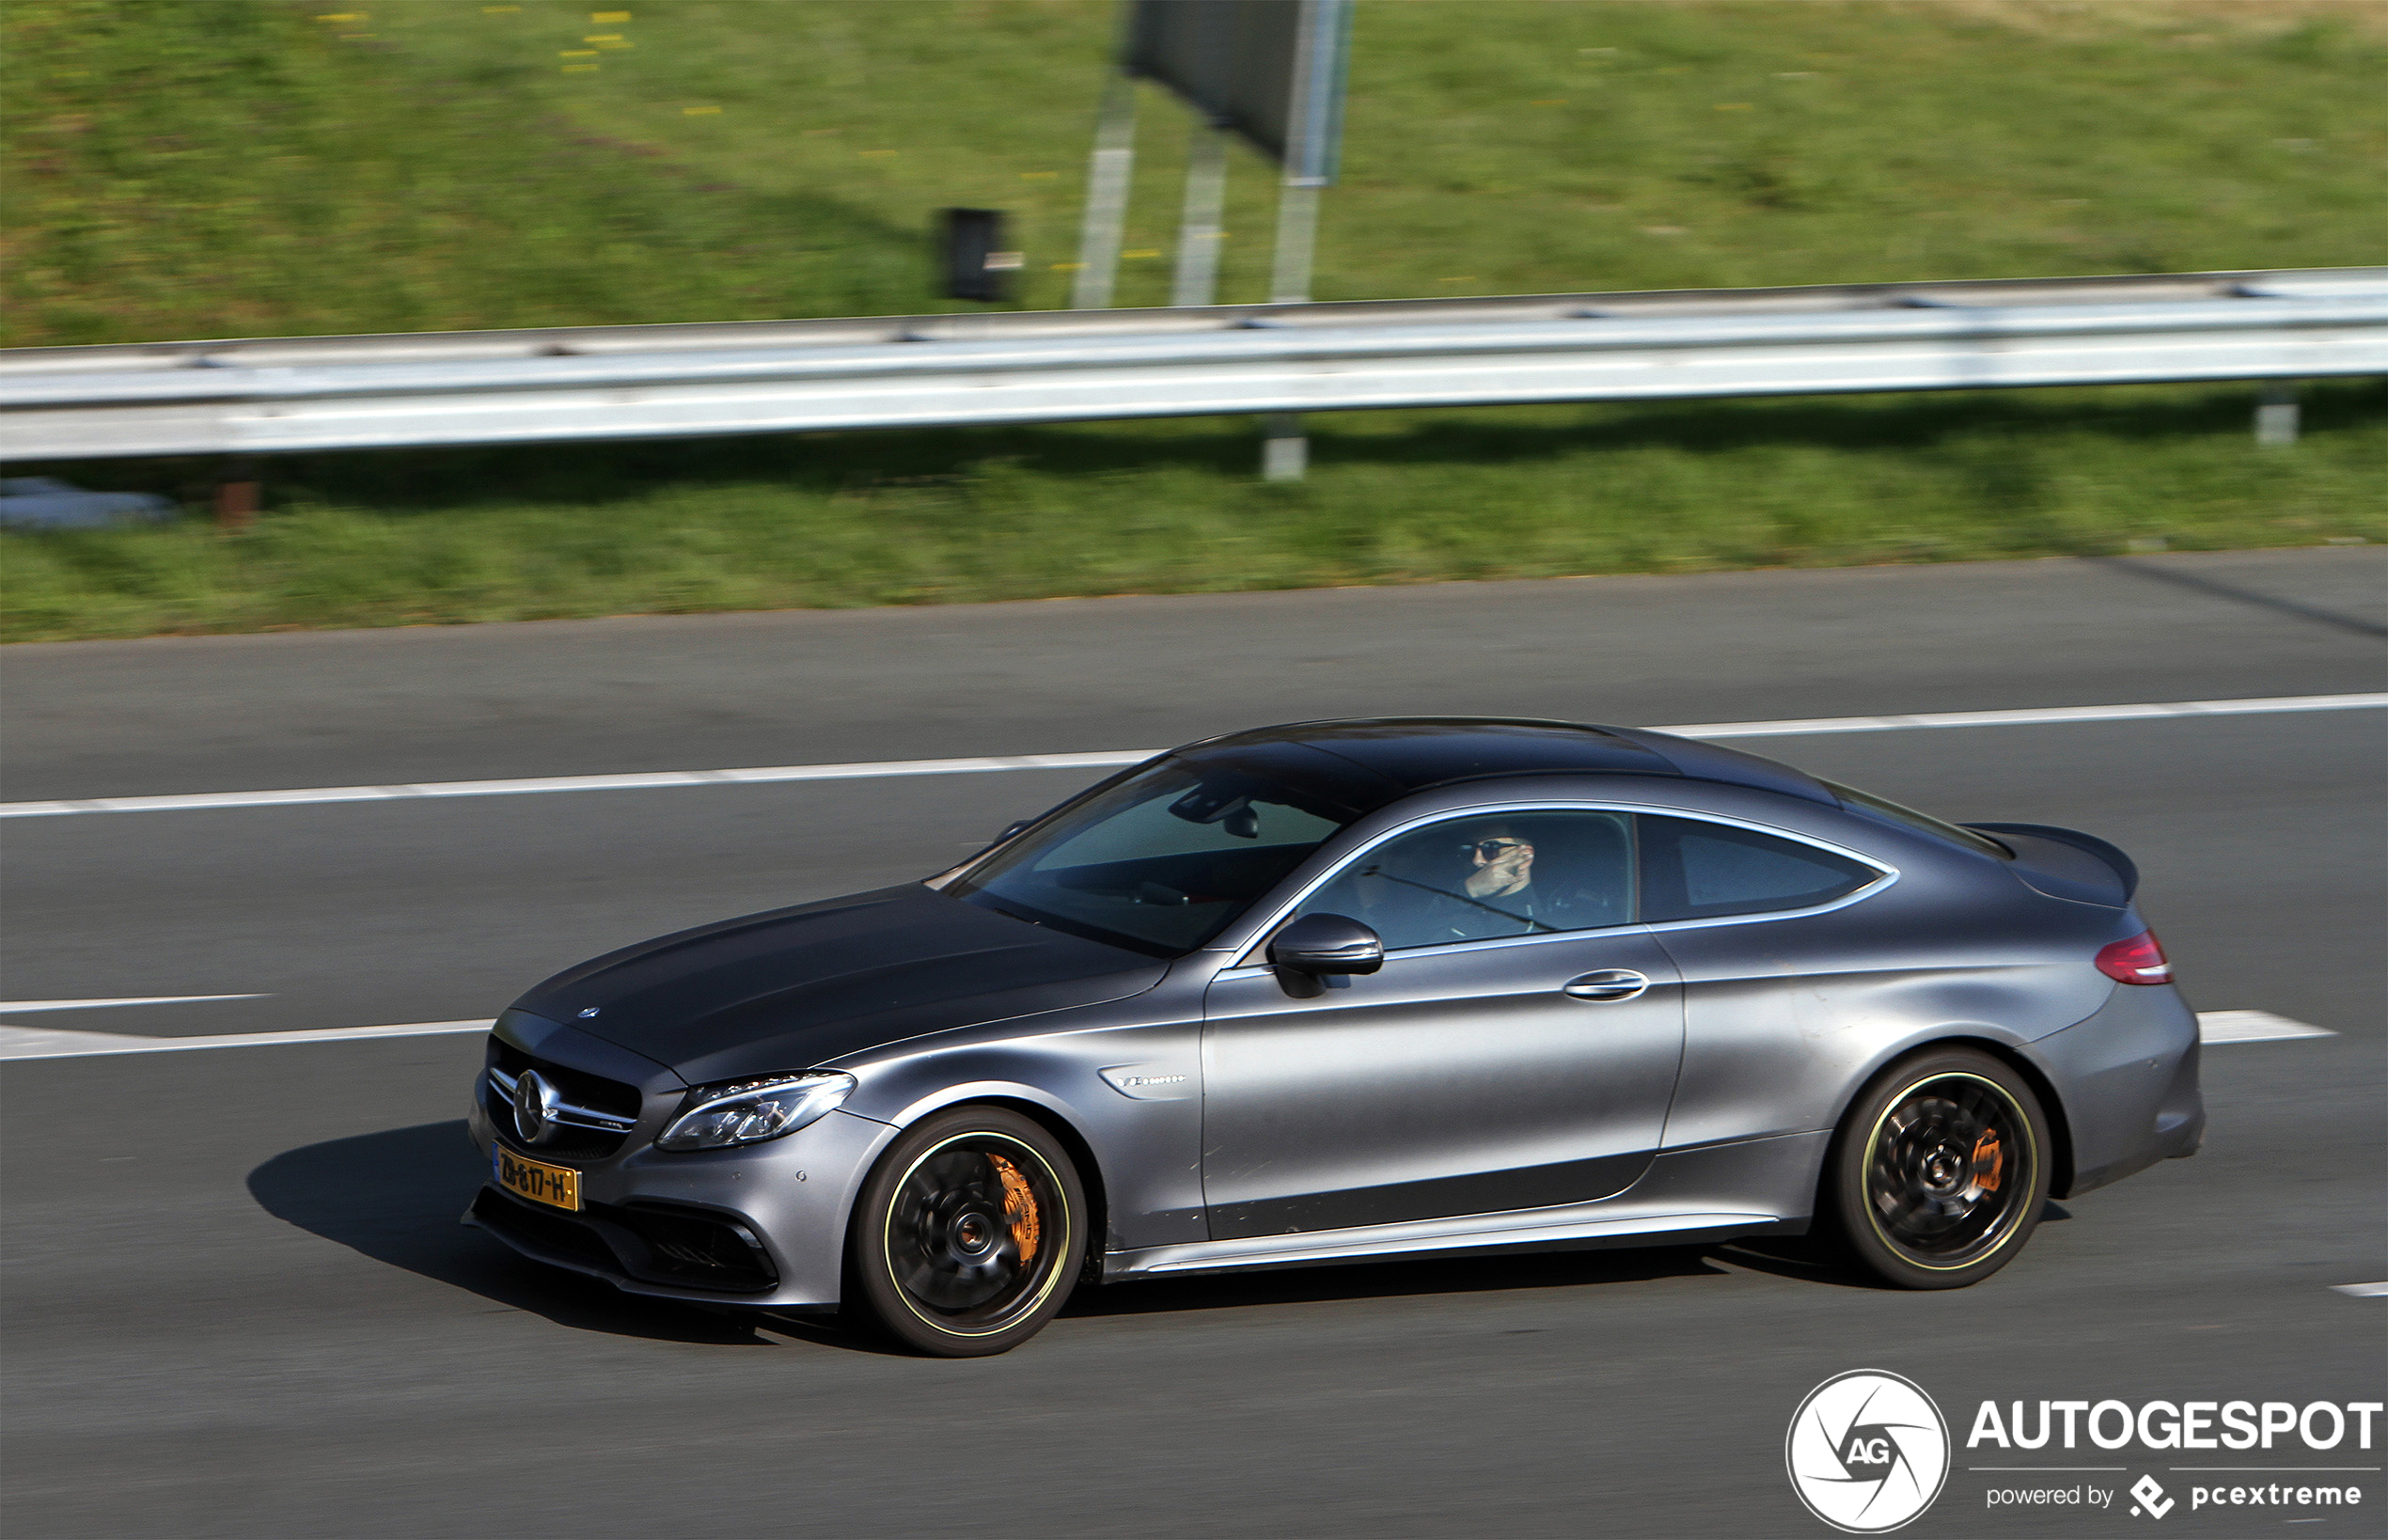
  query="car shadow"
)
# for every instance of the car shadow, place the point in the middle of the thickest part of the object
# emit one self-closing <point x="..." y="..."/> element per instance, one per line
<point x="395" y="1197"/>
<point x="1812" y="1260"/>
<point x="1798" y="1259"/>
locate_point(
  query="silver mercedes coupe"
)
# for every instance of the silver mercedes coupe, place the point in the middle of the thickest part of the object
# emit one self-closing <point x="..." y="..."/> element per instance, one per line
<point x="1346" y="991"/>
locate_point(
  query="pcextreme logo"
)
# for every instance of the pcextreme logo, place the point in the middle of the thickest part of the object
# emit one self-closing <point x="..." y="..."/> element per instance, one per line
<point x="1867" y="1450"/>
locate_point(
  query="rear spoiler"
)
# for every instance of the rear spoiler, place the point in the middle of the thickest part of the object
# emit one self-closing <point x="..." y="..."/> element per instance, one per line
<point x="2126" y="870"/>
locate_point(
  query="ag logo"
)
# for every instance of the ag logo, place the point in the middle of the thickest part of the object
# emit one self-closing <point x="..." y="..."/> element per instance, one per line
<point x="1867" y="1450"/>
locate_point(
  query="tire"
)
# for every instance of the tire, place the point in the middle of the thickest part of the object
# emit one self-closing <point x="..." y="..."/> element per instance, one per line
<point x="1940" y="1171"/>
<point x="969" y="1234"/>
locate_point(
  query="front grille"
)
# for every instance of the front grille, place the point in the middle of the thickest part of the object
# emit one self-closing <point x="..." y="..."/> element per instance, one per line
<point x="590" y="1091"/>
<point x="593" y="1095"/>
<point x="563" y="1140"/>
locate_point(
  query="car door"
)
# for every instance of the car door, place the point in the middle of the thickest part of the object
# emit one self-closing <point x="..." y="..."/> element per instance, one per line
<point x="1516" y="1050"/>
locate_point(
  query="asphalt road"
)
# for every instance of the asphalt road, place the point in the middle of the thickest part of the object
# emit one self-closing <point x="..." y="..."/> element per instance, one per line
<point x="235" y="1300"/>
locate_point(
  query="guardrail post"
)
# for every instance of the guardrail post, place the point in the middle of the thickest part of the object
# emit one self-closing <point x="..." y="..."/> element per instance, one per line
<point x="236" y="495"/>
<point x="1284" y="448"/>
<point x="2276" y="414"/>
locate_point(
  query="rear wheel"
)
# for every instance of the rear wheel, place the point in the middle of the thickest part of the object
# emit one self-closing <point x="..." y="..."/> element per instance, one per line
<point x="1939" y="1171"/>
<point x="968" y="1233"/>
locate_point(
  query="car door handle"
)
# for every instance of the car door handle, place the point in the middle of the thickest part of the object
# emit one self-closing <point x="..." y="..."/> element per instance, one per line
<point x="1609" y="983"/>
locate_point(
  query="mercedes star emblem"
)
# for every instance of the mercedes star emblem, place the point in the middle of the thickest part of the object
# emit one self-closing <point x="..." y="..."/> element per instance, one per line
<point x="534" y="1107"/>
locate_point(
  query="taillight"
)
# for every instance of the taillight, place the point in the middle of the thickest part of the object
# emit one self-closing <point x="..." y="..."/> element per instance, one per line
<point x="2139" y="960"/>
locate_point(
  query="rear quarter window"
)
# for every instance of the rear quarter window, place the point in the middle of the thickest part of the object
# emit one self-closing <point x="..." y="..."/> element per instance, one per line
<point x="1864" y="803"/>
<point x="1692" y="870"/>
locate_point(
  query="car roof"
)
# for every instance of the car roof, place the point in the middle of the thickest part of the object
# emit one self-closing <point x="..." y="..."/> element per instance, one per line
<point x="1366" y="763"/>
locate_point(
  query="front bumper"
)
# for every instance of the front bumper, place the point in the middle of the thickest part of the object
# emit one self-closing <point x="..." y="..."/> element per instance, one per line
<point x="762" y="1225"/>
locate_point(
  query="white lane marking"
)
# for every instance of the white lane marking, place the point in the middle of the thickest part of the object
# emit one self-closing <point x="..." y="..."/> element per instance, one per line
<point x="10" y="1008"/>
<point x="2027" y="717"/>
<point x="32" y="1043"/>
<point x="1113" y="759"/>
<point x="2253" y="1026"/>
<point x="2361" y="1291"/>
<point x="754" y="775"/>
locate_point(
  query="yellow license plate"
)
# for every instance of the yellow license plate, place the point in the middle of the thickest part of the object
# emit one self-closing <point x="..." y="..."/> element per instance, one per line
<point x="558" y="1187"/>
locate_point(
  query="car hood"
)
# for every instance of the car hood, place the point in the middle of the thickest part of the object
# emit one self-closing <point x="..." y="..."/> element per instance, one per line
<point x="793" y="988"/>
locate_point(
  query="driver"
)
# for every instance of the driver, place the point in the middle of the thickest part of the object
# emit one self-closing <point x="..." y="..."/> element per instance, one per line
<point x="1503" y="865"/>
<point x="1496" y="894"/>
<point x="1473" y="880"/>
<point x="1466" y="883"/>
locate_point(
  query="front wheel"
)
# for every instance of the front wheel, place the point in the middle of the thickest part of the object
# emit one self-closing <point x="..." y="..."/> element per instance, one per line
<point x="968" y="1233"/>
<point x="1941" y="1170"/>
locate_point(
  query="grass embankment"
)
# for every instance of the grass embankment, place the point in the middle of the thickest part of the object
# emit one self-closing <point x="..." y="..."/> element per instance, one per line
<point x="214" y="167"/>
<point x="924" y="518"/>
<point x="182" y="168"/>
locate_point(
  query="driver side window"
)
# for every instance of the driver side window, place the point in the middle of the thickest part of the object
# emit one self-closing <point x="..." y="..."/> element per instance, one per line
<point x="1485" y="875"/>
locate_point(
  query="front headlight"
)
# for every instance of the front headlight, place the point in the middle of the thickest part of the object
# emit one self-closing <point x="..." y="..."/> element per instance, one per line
<point x="750" y="1111"/>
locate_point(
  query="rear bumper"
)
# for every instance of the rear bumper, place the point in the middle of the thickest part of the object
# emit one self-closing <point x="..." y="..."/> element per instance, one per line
<point x="2127" y="1082"/>
<point x="762" y="1226"/>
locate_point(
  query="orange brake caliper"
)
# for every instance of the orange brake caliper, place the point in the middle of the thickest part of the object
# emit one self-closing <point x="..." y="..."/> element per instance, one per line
<point x="1989" y="1161"/>
<point x="1019" y="1207"/>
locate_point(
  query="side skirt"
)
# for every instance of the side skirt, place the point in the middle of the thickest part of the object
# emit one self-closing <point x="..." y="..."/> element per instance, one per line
<point x="1754" y="1186"/>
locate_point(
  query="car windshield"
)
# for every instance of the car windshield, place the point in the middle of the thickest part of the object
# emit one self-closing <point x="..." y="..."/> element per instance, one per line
<point x="1159" y="862"/>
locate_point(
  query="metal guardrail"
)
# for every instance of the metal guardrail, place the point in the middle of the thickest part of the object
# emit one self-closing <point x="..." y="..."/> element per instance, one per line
<point x="273" y="395"/>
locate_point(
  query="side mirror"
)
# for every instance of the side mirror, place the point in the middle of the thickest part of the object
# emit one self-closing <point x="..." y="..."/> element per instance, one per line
<point x="1322" y="944"/>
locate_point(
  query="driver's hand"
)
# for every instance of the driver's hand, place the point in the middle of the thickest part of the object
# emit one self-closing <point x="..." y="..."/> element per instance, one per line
<point x="1507" y="873"/>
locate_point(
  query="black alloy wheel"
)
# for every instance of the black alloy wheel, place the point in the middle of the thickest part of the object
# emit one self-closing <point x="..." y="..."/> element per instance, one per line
<point x="1941" y="1170"/>
<point x="968" y="1233"/>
